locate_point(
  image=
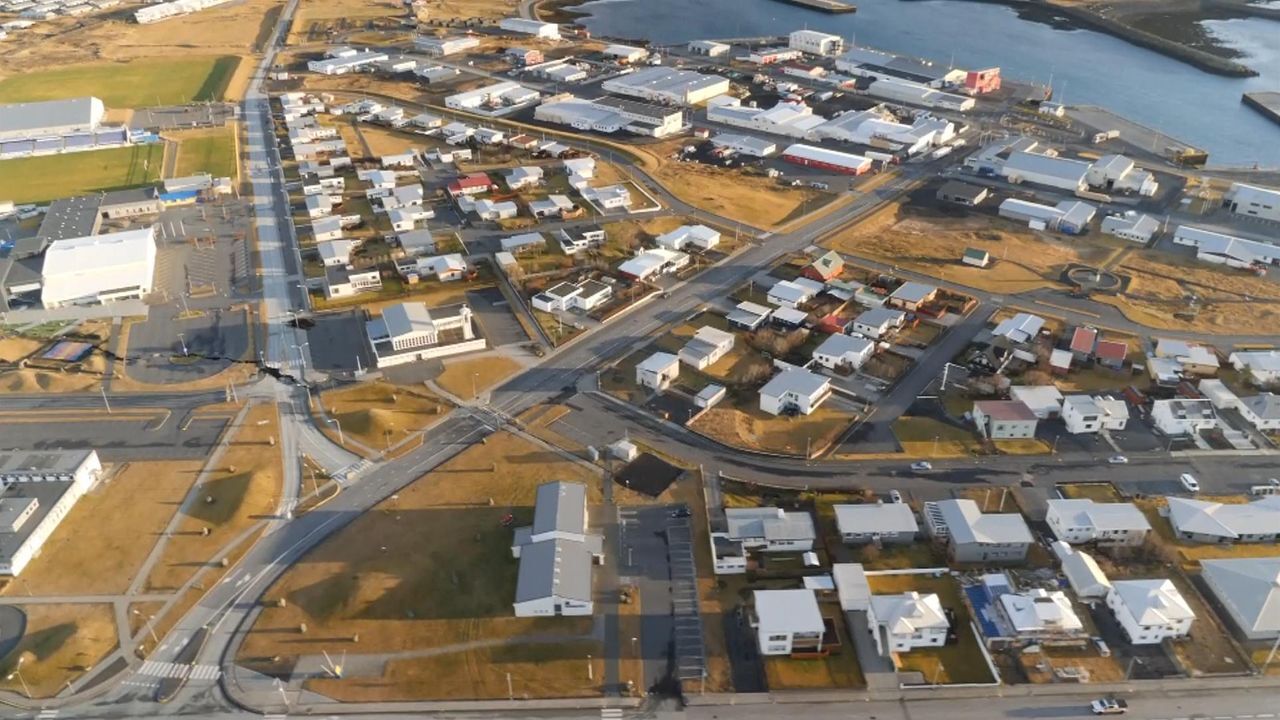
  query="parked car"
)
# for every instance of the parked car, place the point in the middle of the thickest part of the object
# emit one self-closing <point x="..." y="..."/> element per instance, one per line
<point x="1118" y="460"/>
<point x="895" y="497"/>
<point x="1109" y="706"/>
<point x="680" y="512"/>
<point x="921" y="466"/>
<point x="1189" y="482"/>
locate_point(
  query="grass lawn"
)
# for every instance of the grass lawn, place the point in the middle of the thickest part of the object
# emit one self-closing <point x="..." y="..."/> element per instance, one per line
<point x="838" y="670"/>
<point x="14" y="348"/>
<point x="899" y="556"/>
<point x="752" y="199"/>
<point x="378" y="414"/>
<point x="1099" y="379"/>
<point x="961" y="662"/>
<point x="1098" y="492"/>
<point x="61" y="642"/>
<point x="243" y="487"/>
<point x="138" y="83"/>
<point x="39" y="179"/>
<point x="927" y="437"/>
<point x="211" y="150"/>
<point x="430" y="567"/>
<point x="103" y="541"/>
<point x="557" y="330"/>
<point x="459" y="374"/>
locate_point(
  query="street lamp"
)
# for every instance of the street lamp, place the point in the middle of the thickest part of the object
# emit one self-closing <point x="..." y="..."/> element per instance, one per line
<point x="182" y="339"/>
<point x="150" y="626"/>
<point x="17" y="671"/>
<point x="341" y="441"/>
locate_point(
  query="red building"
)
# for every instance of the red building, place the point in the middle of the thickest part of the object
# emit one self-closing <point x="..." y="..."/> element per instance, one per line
<point x="980" y="82"/>
<point x="824" y="159"/>
<point x="472" y="184"/>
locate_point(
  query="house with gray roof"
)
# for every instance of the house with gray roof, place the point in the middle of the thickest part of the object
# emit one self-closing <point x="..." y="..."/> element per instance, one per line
<point x="975" y="536"/>
<point x="876" y="523"/>
<point x="1262" y="411"/>
<point x="1249" y="589"/>
<point x="795" y="390"/>
<point x="1082" y="520"/>
<point x="1204" y="521"/>
<point x="771" y="529"/>
<point x="556" y="554"/>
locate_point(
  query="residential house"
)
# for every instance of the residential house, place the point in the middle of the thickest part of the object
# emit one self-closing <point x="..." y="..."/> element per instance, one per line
<point x="519" y="178"/>
<point x="707" y="345"/>
<point x="1205" y="521"/>
<point x="470" y="184"/>
<point x="1249" y="589"/>
<point x="795" y="390"/>
<point x="770" y="529"/>
<point x="879" y="523"/>
<point x="1194" y="359"/>
<point x="1091" y="414"/>
<point x="335" y="252"/>
<point x="1004" y="419"/>
<point x="748" y="315"/>
<point x="911" y="296"/>
<point x="1079" y="521"/>
<point x="793" y="293"/>
<point x="487" y="209"/>
<point x="556" y="554"/>
<point x="1262" y="367"/>
<point x="843" y="351"/>
<point x="1083" y="341"/>
<point x="876" y="323"/>
<point x="573" y="241"/>
<point x="1040" y="614"/>
<point x="342" y="281"/>
<point x="523" y="241"/>
<point x="648" y="264"/>
<point x="1150" y="611"/>
<point x="552" y="206"/>
<point x="976" y="257"/>
<point x="1184" y="416"/>
<point x="978" y="537"/>
<point x="699" y="236"/>
<point x="788" y="621"/>
<point x="1020" y="329"/>
<point x="1084" y="576"/>
<point x="1219" y="394"/>
<point x="1045" y="401"/>
<point x="1262" y="411"/>
<point x="1115" y="412"/>
<point x="658" y="371"/>
<point x="825" y="268"/>
<point x="1111" y="354"/>
<point x="609" y="197"/>
<point x="409" y="332"/>
<point x="906" y="622"/>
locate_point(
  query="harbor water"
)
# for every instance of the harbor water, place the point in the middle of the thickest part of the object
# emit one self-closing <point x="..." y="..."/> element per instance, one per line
<point x="1086" y="67"/>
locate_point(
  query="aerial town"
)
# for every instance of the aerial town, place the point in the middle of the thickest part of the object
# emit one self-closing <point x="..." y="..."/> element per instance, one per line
<point x="525" y="359"/>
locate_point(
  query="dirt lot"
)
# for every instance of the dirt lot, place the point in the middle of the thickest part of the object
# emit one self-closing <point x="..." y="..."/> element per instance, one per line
<point x="758" y="430"/>
<point x="931" y="243"/>
<point x="60" y="644"/>
<point x="103" y="541"/>
<point x="14" y="348"/>
<point x="464" y="377"/>
<point x="378" y="414"/>
<point x="243" y="487"/>
<point x="1230" y="301"/>
<point x="314" y="19"/>
<point x="752" y="199"/>
<point x="429" y="568"/>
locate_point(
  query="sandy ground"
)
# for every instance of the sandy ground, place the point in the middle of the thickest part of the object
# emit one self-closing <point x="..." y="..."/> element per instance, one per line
<point x="485" y="371"/>
<point x="379" y="414"/>
<point x="61" y="643"/>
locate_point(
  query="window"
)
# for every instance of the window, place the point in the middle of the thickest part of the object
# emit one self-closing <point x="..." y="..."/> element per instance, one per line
<point x="777" y="638"/>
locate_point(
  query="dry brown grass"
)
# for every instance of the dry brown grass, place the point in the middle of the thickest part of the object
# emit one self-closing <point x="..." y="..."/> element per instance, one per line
<point x="839" y="670"/>
<point x="378" y="414"/>
<point x="316" y="16"/>
<point x="382" y="141"/>
<point x="14" y="348"/>
<point x="29" y="380"/>
<point x="61" y="642"/>
<point x="1023" y="259"/>
<point x="1231" y="301"/>
<point x="486" y="372"/>
<point x="428" y="568"/>
<point x="758" y="430"/>
<point x="244" y="486"/>
<point x="103" y="541"/>
<point x="752" y="199"/>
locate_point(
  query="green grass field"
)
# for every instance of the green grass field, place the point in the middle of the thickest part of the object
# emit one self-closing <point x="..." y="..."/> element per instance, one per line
<point x="53" y="176"/>
<point x="212" y="151"/>
<point x="139" y="83"/>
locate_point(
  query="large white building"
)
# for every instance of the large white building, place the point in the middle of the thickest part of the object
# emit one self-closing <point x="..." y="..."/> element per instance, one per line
<point x="1254" y="201"/>
<point x="1047" y="170"/>
<point x="497" y="97"/>
<point x="816" y="43"/>
<point x="1150" y="611"/>
<point x="536" y="28"/>
<point x="50" y="118"/>
<point x="99" y="268"/>
<point x="37" y="490"/>
<point x="1205" y="521"/>
<point x="1082" y="520"/>
<point x="788" y="621"/>
<point x="668" y="86"/>
<point x="165" y="10"/>
<point x="409" y="331"/>
<point x="902" y="623"/>
<point x="556" y="554"/>
<point x="1225" y="249"/>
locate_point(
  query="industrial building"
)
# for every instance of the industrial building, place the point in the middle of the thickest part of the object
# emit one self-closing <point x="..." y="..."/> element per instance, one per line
<point x="744" y="144"/>
<point x="1118" y="173"/>
<point x="1132" y="226"/>
<point x="165" y="10"/>
<point x="502" y="96"/>
<point x="556" y="554"/>
<point x="611" y="114"/>
<point x="865" y="62"/>
<point x="668" y="86"/>
<point x="1253" y="201"/>
<point x="1225" y="249"/>
<point x="816" y="43"/>
<point x="1069" y="216"/>
<point x="99" y="268"/>
<point x="445" y="46"/>
<point x="536" y="28"/>
<point x="625" y="53"/>
<point x="346" y="62"/>
<point x="51" y="118"/>
<point x="1047" y="170"/>
<point x="709" y="48"/>
<point x="37" y="490"/>
<point x="910" y="93"/>
<point x="824" y="159"/>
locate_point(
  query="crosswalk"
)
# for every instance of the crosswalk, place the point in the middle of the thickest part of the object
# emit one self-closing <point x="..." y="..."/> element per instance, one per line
<point x="352" y="472"/>
<point x="156" y="668"/>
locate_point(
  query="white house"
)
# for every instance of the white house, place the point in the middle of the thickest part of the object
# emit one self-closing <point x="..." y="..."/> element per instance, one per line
<point x="1262" y="411"/>
<point x="1083" y="574"/>
<point x="843" y="351"/>
<point x="556" y="554"/>
<point x="1078" y="521"/>
<point x="585" y="296"/>
<point x="878" y="322"/>
<point x="905" y="622"/>
<point x="1082" y="414"/>
<point x="1019" y="329"/>
<point x="658" y="371"/>
<point x="1004" y="419"/>
<point x="1204" y="521"/>
<point x="700" y="236"/>
<point x="1044" y="401"/>
<point x="1261" y="366"/>
<point x="788" y="621"/>
<point x="770" y="529"/>
<point x="1184" y="416"/>
<point x="335" y="252"/>
<point x="1150" y="611"/>
<point x="652" y="262"/>
<point x="1249" y="589"/>
<point x="794" y="293"/>
<point x="1040" y="613"/>
<point x="707" y="345"/>
<point x="978" y="537"/>
<point x="876" y="523"/>
<point x="748" y="315"/>
<point x="608" y="197"/>
<point x="794" y="390"/>
<point x="37" y="490"/>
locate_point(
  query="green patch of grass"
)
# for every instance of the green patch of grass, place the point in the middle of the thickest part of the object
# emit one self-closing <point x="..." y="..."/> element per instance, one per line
<point x="212" y="151"/>
<point x="38" y="179"/>
<point x="138" y="83"/>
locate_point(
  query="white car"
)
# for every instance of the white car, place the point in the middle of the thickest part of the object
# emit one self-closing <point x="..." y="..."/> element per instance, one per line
<point x="921" y="466"/>
<point x="1189" y="482"/>
<point x="1109" y="706"/>
<point x="1118" y="460"/>
<point x="895" y="497"/>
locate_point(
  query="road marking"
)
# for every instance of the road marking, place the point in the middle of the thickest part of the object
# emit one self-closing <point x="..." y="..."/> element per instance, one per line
<point x="47" y="714"/>
<point x="610" y="712"/>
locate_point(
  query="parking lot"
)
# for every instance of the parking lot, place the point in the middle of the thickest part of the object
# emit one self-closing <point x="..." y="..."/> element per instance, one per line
<point x="164" y="436"/>
<point x="493" y="315"/>
<point x="338" y="343"/>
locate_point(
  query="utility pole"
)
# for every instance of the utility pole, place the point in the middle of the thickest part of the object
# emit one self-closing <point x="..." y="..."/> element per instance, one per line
<point x="104" y="399"/>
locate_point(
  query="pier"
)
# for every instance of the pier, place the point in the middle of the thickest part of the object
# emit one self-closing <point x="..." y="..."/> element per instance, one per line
<point x="1267" y="103"/>
<point x="827" y="6"/>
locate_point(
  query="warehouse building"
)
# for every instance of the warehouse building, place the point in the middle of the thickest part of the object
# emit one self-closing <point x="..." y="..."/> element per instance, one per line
<point x="557" y="554"/>
<point x="37" y="490"/>
<point x="668" y="86"/>
<point x="1119" y="173"/>
<point x="865" y="62"/>
<point x="346" y="63"/>
<point x="816" y="43"/>
<point x="1132" y="226"/>
<point x="1226" y="249"/>
<point x="824" y="159"/>
<point x="709" y="48"/>
<point x="536" y="28"/>
<point x="625" y="53"/>
<point x="51" y="118"/>
<point x="445" y="46"/>
<point x="166" y="10"/>
<point x="795" y="120"/>
<point x="1069" y="216"/>
<point x="499" y="96"/>
<point x="745" y="144"/>
<point x="99" y="268"/>
<point x="1253" y="201"/>
<point x="912" y="93"/>
<point x="1047" y="170"/>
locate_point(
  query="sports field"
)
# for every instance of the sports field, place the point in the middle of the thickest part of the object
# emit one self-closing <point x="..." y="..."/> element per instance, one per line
<point x="139" y="83"/>
<point x="45" y="178"/>
<point x="210" y="150"/>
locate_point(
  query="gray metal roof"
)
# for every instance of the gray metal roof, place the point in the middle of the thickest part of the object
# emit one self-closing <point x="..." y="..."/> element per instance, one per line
<point x="560" y="507"/>
<point x="70" y="218"/>
<point x="14" y="499"/>
<point x="1202" y="517"/>
<point x="407" y="319"/>
<point x="769" y="523"/>
<point x="876" y="518"/>
<point x="1250" y="588"/>
<point x="877" y="317"/>
<point x="1266" y="406"/>
<point x="800" y="382"/>
<point x="560" y="568"/>
<point x="1061" y="168"/>
<point x="29" y="463"/>
<point x="1084" y="512"/>
<point x="968" y="524"/>
<point x="33" y="117"/>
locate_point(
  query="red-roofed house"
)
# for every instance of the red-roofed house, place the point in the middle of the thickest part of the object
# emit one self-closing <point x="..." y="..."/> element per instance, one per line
<point x="1083" y="341"/>
<point x="825" y="268"/>
<point x="1004" y="419"/>
<point x="1111" y="353"/>
<point x="472" y="184"/>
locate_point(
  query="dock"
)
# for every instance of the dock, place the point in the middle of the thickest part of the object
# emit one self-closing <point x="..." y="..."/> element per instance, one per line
<point x="1267" y="103"/>
<point x="827" y="6"/>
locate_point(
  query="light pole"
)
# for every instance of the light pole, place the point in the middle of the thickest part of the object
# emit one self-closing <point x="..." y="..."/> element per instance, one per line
<point x="17" y="670"/>
<point x="150" y="626"/>
<point x="341" y="440"/>
<point x="474" y="394"/>
<point x="104" y="399"/>
<point x="183" y="340"/>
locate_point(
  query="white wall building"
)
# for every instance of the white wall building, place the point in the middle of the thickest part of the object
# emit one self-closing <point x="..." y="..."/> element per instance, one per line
<point x="787" y="621"/>
<point x="844" y="351"/>
<point x="699" y="236"/>
<point x="658" y="371"/>
<point x="668" y="86"/>
<point x="1253" y="201"/>
<point x="1077" y="521"/>
<point x="556" y="554"/>
<point x="99" y="268"/>
<point x="536" y="28"/>
<point x="1150" y="611"/>
<point x="408" y="332"/>
<point x="37" y="490"/>
<point x="902" y="623"/>
<point x="706" y="347"/>
<point x="816" y="43"/>
<point x="794" y="390"/>
<point x="770" y="529"/>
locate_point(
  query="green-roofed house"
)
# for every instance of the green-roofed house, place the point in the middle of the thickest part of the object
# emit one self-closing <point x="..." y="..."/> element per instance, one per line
<point x="976" y="257"/>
